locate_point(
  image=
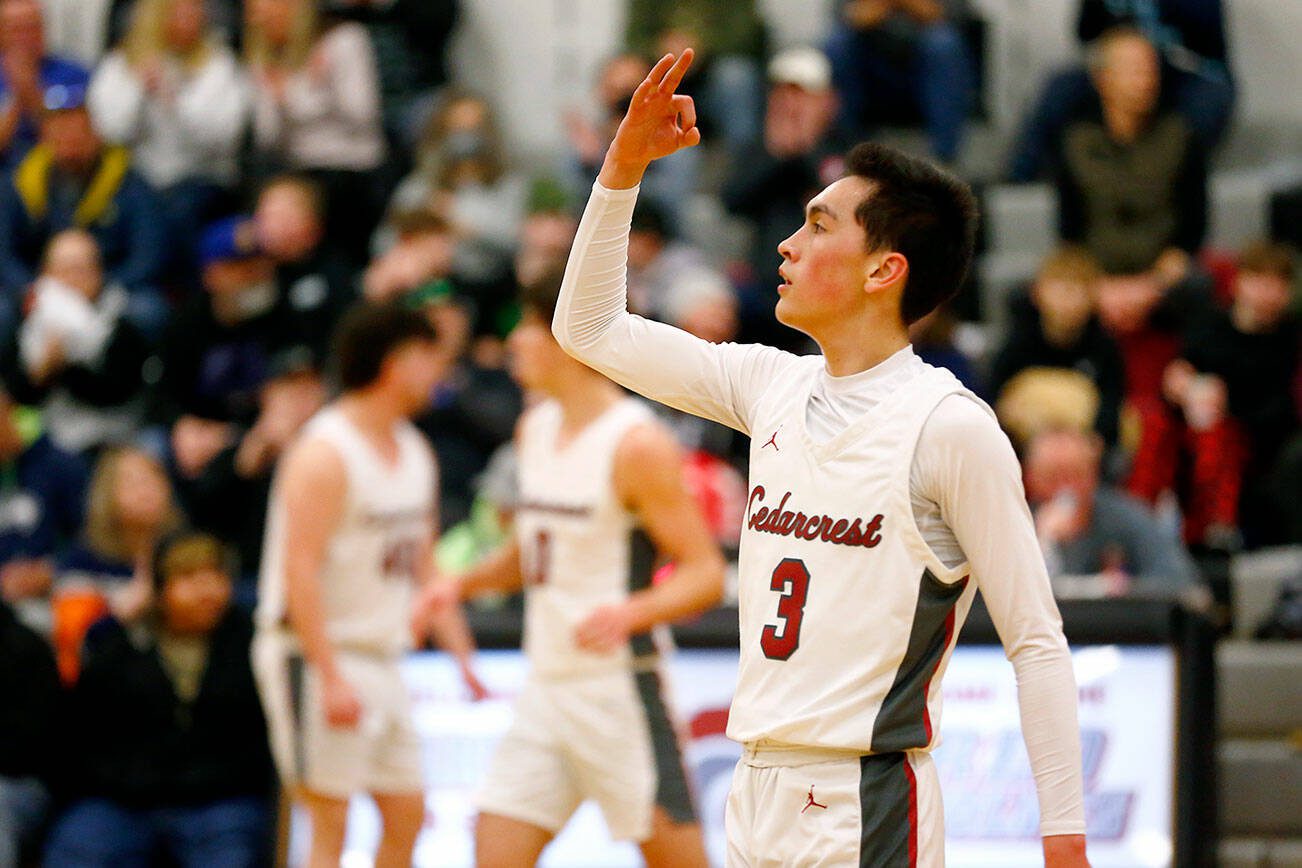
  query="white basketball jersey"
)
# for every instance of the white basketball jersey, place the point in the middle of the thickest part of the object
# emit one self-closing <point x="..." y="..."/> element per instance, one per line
<point x="371" y="562"/>
<point x="847" y="618"/>
<point x="580" y="548"/>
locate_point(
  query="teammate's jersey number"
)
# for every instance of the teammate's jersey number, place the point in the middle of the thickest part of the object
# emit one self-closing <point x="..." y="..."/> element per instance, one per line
<point x="792" y="578"/>
<point x="400" y="560"/>
<point x="538" y="559"/>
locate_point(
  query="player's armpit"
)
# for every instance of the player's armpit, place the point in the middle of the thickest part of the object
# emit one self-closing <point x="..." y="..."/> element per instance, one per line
<point x="650" y="481"/>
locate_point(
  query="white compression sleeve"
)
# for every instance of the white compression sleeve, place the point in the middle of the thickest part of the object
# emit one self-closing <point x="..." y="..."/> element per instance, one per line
<point x="965" y="464"/>
<point x="592" y="323"/>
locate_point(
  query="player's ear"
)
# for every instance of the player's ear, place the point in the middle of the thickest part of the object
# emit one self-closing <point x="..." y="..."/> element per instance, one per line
<point x="885" y="269"/>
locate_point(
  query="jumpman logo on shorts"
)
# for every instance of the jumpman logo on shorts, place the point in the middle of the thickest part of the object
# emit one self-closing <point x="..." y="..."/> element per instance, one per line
<point x="773" y="441"/>
<point x="811" y="803"/>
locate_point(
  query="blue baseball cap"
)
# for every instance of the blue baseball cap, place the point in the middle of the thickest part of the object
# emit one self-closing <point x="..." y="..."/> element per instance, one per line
<point x="223" y="242"/>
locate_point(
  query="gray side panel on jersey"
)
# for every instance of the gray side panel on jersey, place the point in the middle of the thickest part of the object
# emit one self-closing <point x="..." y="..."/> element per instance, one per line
<point x="672" y="792"/>
<point x="901" y="723"/>
<point x="641" y="567"/>
<point x="887" y="799"/>
<point x="297" y="683"/>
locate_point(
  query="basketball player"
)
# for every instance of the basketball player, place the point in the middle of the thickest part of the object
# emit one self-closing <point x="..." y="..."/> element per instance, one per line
<point x="601" y="494"/>
<point x="349" y="540"/>
<point x="882" y="495"/>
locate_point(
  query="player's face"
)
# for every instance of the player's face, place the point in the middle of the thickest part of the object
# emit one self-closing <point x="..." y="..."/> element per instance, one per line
<point x="824" y="261"/>
<point x="535" y="355"/>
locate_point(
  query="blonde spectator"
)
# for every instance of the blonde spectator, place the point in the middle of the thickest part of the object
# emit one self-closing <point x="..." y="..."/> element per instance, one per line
<point x="175" y="94"/>
<point x="317" y="109"/>
<point x="130" y="506"/>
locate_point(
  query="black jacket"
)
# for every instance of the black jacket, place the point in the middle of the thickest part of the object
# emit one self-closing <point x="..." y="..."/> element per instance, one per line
<point x="29" y="699"/>
<point x="135" y="742"/>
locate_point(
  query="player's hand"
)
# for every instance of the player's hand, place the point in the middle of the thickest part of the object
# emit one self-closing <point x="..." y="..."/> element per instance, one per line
<point x="435" y="599"/>
<point x="605" y="630"/>
<point x="658" y="123"/>
<point x="343" y="708"/>
<point x="1065" y="851"/>
<point x="476" y="688"/>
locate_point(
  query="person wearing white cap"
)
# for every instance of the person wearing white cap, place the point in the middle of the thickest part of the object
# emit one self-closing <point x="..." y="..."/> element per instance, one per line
<point x="799" y="155"/>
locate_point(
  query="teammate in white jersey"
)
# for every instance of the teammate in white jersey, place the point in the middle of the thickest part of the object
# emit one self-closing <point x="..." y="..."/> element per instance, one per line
<point x="882" y="495"/>
<point x="348" y="585"/>
<point x="602" y="500"/>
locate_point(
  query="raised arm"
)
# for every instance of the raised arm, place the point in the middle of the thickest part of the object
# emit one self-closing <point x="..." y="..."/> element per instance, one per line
<point x="966" y="465"/>
<point x="592" y="322"/>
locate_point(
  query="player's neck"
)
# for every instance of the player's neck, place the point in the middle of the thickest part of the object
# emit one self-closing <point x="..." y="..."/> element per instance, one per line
<point x="372" y="410"/>
<point x="851" y="347"/>
<point x="583" y="399"/>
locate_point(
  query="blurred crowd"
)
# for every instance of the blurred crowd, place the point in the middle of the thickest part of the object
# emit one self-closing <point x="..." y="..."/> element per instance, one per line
<point x="182" y="224"/>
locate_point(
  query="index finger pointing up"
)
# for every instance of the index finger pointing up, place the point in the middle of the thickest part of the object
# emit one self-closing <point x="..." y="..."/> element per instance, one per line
<point x="654" y="77"/>
<point x="674" y="76"/>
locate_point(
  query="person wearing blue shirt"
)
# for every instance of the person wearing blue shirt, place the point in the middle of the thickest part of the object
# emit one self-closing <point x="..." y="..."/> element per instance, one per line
<point x="42" y="490"/>
<point x="72" y="179"/>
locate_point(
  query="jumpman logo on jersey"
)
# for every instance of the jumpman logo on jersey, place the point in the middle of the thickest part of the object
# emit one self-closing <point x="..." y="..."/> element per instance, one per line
<point x="773" y="441"/>
<point x="811" y="803"/>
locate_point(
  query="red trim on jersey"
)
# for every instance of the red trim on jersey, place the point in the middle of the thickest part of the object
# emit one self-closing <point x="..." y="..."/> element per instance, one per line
<point x="926" y="688"/>
<point x="913" y="812"/>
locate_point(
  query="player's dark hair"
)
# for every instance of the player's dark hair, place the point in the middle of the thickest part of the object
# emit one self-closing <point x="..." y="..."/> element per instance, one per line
<point x="922" y="212"/>
<point x="540" y="296"/>
<point x="366" y="336"/>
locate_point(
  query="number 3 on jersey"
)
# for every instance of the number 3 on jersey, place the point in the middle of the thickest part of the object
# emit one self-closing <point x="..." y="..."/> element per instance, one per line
<point x="792" y="578"/>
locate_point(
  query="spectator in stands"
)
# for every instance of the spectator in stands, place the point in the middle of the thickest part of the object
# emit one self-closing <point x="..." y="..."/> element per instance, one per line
<point x="670" y="182"/>
<point x="317" y="110"/>
<point x="228" y="498"/>
<point x="411" y="40"/>
<point x="771" y="181"/>
<point x="42" y="494"/>
<point x="29" y="683"/>
<point x="217" y="352"/>
<point x="1252" y="349"/>
<point x="129" y="508"/>
<point x="73" y="180"/>
<point x="461" y="173"/>
<point x="315" y="281"/>
<point x="938" y="340"/>
<point x="1092" y="530"/>
<point x="1056" y="327"/>
<point x="1132" y="184"/>
<point x="473" y="410"/>
<point x="76" y="354"/>
<point x="421" y="256"/>
<point x="175" y="95"/>
<point x="701" y="301"/>
<point x="165" y="730"/>
<point x="1177" y="427"/>
<point x="658" y="260"/>
<point x="26" y="73"/>
<point x="1196" y="80"/>
<point x="110" y="21"/>
<point x="903" y="57"/>
<point x="726" y="78"/>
